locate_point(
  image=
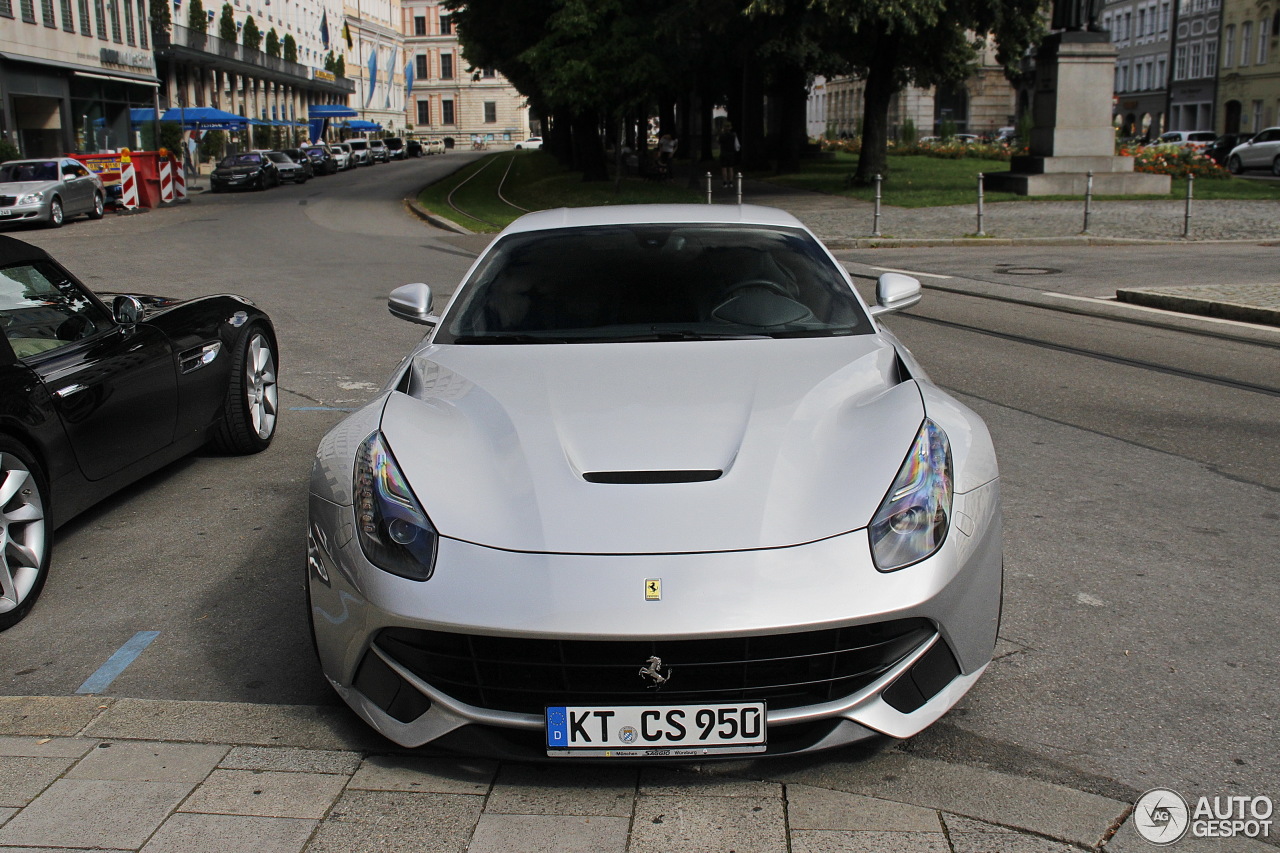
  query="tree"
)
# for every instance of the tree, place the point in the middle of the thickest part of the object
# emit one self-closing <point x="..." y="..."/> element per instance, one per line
<point x="340" y="67"/>
<point x="160" y="17"/>
<point x="273" y="43"/>
<point x="197" y="18"/>
<point x="227" y="24"/>
<point x="290" y="48"/>
<point x="252" y="37"/>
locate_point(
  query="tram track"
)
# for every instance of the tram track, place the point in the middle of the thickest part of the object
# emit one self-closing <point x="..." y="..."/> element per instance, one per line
<point x="449" y="199"/>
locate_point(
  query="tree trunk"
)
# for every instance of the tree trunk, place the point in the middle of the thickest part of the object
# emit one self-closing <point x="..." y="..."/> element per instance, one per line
<point x="882" y="84"/>
<point x="791" y="97"/>
<point x="588" y="150"/>
<point x="751" y="132"/>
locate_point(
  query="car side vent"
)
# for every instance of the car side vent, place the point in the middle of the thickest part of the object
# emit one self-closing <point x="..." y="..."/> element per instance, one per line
<point x="642" y="477"/>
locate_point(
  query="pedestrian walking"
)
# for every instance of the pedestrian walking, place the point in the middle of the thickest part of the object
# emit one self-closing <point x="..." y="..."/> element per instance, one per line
<point x="730" y="154"/>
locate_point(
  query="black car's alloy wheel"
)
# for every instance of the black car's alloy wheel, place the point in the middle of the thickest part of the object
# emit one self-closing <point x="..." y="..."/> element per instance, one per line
<point x="251" y="406"/>
<point x="26" y="537"/>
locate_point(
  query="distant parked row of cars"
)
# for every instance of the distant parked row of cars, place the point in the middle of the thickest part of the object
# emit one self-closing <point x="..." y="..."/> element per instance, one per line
<point x="259" y="169"/>
<point x="1239" y="152"/>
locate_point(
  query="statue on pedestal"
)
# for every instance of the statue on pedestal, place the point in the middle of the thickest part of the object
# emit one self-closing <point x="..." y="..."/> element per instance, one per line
<point x="1076" y="15"/>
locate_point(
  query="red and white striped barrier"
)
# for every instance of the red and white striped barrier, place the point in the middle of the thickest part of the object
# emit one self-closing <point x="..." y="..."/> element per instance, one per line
<point x="166" y="180"/>
<point x="128" y="186"/>
<point x="179" y="185"/>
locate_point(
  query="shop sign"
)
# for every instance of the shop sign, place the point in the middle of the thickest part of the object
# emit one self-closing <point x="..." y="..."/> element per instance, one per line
<point x="139" y="60"/>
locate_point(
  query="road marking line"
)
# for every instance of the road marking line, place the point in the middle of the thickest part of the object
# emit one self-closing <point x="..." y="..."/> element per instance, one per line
<point x="116" y="664"/>
<point x="909" y="272"/>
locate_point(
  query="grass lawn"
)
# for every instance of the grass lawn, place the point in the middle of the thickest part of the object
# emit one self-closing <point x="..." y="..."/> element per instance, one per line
<point x="918" y="181"/>
<point x="537" y="182"/>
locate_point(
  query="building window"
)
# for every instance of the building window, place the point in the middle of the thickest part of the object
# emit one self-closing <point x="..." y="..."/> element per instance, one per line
<point x="1180" y="63"/>
<point x="446" y="26"/>
<point x="1164" y="17"/>
<point x="28" y="11"/>
<point x="1161" y="68"/>
<point x="1264" y="38"/>
<point x="446" y="112"/>
<point x="490" y="72"/>
<point x="142" y="23"/>
<point x="128" y="21"/>
<point x="1257" y="116"/>
<point x="1197" y="60"/>
<point x="446" y="66"/>
<point x="46" y="12"/>
<point x="113" y="6"/>
<point x="1228" y="45"/>
<point x="100" y="15"/>
<point x="1246" y="37"/>
<point x="490" y="112"/>
<point x="420" y="70"/>
<point x="424" y="113"/>
<point x="419" y="25"/>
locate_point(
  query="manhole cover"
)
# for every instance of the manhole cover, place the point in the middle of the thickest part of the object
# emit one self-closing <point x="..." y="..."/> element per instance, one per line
<point x="1028" y="271"/>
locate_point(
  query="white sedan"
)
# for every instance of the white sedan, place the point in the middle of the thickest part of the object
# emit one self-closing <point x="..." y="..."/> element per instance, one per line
<point x="533" y="143"/>
<point x="1260" y="152"/>
<point x="657" y="483"/>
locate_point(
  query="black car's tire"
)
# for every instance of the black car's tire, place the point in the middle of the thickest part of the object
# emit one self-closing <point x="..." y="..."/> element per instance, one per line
<point x="55" y="213"/>
<point x="260" y="183"/>
<point x="250" y="409"/>
<point x="28" y="535"/>
<point x="1275" y="167"/>
<point x="1234" y="166"/>
<point x="99" y="207"/>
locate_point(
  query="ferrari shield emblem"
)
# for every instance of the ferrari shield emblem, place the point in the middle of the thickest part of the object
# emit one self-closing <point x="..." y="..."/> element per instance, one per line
<point x="653" y="589"/>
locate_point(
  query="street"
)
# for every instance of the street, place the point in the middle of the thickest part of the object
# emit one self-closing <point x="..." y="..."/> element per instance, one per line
<point x="1141" y="487"/>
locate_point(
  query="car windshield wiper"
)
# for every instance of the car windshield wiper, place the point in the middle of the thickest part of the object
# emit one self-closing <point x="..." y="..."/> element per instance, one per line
<point x="685" y="335"/>
<point x="510" y="339"/>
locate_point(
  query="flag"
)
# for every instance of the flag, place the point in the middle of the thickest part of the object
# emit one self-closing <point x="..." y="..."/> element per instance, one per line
<point x="346" y="34"/>
<point x="324" y="29"/>
<point x="373" y="73"/>
<point x="391" y="70"/>
<point x="408" y="75"/>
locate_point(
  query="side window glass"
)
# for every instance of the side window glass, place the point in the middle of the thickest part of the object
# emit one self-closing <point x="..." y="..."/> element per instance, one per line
<point x="42" y="309"/>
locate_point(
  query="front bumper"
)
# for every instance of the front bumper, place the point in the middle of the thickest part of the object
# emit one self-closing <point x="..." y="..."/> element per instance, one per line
<point x="38" y="211"/>
<point x="824" y="585"/>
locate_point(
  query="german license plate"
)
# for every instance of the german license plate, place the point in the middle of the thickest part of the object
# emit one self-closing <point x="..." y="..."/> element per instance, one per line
<point x="660" y="731"/>
<point x="4" y="211"/>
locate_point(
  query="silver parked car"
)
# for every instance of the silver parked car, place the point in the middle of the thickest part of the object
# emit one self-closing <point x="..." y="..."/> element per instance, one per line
<point x="290" y="170"/>
<point x="342" y="153"/>
<point x="361" y="155"/>
<point x="49" y="190"/>
<point x="656" y="483"/>
<point x="1260" y="152"/>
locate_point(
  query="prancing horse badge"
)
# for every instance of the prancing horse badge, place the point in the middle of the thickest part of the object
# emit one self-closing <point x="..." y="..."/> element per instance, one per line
<point x="653" y="589"/>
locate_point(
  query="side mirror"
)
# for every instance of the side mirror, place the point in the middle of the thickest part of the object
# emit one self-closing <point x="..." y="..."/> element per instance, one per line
<point x="126" y="310"/>
<point x="894" y="292"/>
<point x="412" y="302"/>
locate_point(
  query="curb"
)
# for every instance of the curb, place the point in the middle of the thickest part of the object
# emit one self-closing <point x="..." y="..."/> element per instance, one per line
<point x="1187" y="304"/>
<point x="411" y="204"/>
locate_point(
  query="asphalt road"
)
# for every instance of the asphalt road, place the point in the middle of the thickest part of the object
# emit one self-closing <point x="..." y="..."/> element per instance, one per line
<point x="1140" y="474"/>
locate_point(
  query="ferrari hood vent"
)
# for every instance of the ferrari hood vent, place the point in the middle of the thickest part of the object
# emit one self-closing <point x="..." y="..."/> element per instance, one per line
<point x="648" y="477"/>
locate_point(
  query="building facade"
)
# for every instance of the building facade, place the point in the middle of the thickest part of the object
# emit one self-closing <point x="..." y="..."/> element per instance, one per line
<point x="1195" y="65"/>
<point x="70" y="71"/>
<point x="1248" y="93"/>
<point x="1142" y="35"/>
<point x="375" y="60"/>
<point x="449" y="99"/>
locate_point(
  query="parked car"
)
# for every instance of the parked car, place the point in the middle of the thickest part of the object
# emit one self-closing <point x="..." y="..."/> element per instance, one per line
<point x="49" y="190"/>
<point x="1260" y="152"/>
<point x="323" y="161"/>
<point x="248" y="169"/>
<point x="533" y="143"/>
<point x="738" y="517"/>
<point x="395" y="147"/>
<point x="378" y="150"/>
<point x="361" y="155"/>
<point x="961" y="138"/>
<point x="302" y="158"/>
<point x="413" y="148"/>
<point x="1220" y="148"/>
<point x="290" y="170"/>
<point x="1197" y="139"/>
<point x="103" y="391"/>
<point x="342" y="153"/>
<point x="435" y="146"/>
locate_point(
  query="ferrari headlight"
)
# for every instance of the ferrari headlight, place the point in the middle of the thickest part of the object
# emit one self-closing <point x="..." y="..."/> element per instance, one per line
<point x="913" y="518"/>
<point x="30" y="198"/>
<point x="394" y="533"/>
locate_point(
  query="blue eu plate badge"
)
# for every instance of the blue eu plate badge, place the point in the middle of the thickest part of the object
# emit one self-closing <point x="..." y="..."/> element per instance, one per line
<point x="557" y="728"/>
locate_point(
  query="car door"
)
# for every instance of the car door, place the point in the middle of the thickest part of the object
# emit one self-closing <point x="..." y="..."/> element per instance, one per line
<point x="78" y="189"/>
<point x="114" y="387"/>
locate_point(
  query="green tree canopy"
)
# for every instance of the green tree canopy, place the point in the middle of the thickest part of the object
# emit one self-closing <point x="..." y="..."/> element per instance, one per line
<point x="290" y="48"/>
<point x="227" y="24"/>
<point x="160" y="17"/>
<point x="252" y="36"/>
<point x="197" y="18"/>
<point x="273" y="43"/>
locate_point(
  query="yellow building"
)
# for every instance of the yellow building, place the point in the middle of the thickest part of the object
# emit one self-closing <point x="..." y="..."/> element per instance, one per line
<point x="1248" y="97"/>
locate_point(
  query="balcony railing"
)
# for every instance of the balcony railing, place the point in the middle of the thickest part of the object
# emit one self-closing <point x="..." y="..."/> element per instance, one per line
<point x="179" y="36"/>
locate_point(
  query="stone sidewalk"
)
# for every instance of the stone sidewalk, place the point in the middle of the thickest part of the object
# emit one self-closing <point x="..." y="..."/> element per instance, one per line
<point x="91" y="772"/>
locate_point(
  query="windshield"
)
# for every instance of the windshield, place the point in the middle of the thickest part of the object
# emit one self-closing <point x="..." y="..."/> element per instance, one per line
<point x="279" y="157"/>
<point x="240" y="160"/>
<point x="358" y="145"/>
<point x="654" y="283"/>
<point x="12" y="173"/>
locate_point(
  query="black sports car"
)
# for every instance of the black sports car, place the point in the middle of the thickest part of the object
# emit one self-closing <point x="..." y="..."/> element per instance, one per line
<point x="98" y="392"/>
<point x="250" y="169"/>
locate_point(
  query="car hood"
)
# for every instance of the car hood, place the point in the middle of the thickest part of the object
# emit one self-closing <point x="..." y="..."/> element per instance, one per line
<point x="497" y="441"/>
<point x="227" y="171"/>
<point x="24" y="187"/>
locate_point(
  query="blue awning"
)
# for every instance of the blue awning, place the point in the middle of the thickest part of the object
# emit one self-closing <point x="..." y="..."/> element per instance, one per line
<point x="330" y="111"/>
<point x="362" y="125"/>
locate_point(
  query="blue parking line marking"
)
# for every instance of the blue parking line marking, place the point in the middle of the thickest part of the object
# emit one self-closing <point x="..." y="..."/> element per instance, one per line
<point x="322" y="408"/>
<point x="116" y="664"/>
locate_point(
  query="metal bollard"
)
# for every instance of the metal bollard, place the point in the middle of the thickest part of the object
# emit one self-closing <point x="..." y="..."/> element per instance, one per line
<point x="708" y="188"/>
<point x="875" y="221"/>
<point x="1186" y="219"/>
<point x="739" y="188"/>
<point x="1088" y="200"/>
<point x="980" y="232"/>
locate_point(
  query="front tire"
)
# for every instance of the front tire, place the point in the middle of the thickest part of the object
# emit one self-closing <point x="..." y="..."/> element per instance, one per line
<point x="56" y="215"/>
<point x="1234" y="166"/>
<point x="26" y="536"/>
<point x="99" y="207"/>
<point x="1275" y="167"/>
<point x="251" y="406"/>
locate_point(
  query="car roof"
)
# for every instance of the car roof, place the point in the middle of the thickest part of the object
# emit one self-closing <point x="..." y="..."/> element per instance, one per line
<point x="15" y="251"/>
<point x="653" y="214"/>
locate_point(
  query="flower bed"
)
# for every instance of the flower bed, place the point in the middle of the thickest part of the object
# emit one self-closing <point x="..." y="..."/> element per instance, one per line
<point x="1173" y="160"/>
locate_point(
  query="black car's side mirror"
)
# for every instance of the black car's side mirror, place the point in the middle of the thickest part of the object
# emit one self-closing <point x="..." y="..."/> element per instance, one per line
<point x="126" y="310"/>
